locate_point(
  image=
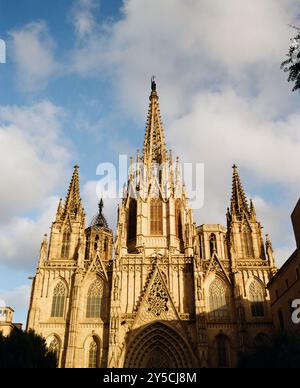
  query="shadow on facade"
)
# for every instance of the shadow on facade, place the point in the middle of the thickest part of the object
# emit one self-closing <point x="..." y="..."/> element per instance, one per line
<point x="159" y="344"/>
<point x="208" y="340"/>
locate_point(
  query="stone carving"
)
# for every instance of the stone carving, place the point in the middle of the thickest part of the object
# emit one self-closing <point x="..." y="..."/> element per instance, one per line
<point x="158" y="298"/>
<point x="116" y="288"/>
<point x="199" y="287"/>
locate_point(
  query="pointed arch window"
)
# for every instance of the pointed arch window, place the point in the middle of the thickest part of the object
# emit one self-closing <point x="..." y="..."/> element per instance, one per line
<point x="218" y="305"/>
<point x="200" y="245"/>
<point x="222" y="351"/>
<point x="156" y="217"/>
<point x="256" y="296"/>
<point x="132" y="216"/>
<point x="247" y="242"/>
<point x="212" y="244"/>
<point x="93" y="354"/>
<point x="55" y="348"/>
<point x="58" y="301"/>
<point x="178" y="220"/>
<point x="65" y="248"/>
<point x="94" y="300"/>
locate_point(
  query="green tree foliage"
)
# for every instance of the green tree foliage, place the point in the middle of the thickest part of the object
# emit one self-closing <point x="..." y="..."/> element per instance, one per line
<point x="281" y="351"/>
<point x="292" y="64"/>
<point x="25" y="350"/>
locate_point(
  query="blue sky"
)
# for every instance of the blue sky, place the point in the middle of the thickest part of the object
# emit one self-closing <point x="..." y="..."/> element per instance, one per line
<point x="75" y="90"/>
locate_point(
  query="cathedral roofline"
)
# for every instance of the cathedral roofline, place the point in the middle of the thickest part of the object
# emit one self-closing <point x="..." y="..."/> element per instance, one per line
<point x="211" y="228"/>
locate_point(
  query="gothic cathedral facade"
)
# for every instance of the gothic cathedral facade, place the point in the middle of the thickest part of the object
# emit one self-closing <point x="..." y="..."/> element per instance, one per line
<point x="163" y="293"/>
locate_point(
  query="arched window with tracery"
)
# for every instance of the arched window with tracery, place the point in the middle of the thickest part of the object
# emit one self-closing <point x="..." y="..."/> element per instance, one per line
<point x="58" y="300"/>
<point x="132" y="220"/>
<point x="212" y="244"/>
<point x="156" y="217"/>
<point x="247" y="243"/>
<point x="65" y="247"/>
<point x="93" y="354"/>
<point x="95" y="300"/>
<point x="222" y="351"/>
<point x="218" y="306"/>
<point x="54" y="347"/>
<point x="257" y="298"/>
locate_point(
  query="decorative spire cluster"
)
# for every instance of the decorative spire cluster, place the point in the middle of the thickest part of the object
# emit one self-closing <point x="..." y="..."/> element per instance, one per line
<point x="153" y="174"/>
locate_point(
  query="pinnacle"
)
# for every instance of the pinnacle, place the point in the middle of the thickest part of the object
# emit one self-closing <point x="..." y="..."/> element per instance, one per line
<point x="154" y="144"/>
<point x="73" y="200"/>
<point x="238" y="199"/>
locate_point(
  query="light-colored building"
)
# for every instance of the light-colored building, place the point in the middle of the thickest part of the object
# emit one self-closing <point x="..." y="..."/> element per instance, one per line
<point x="6" y="321"/>
<point x="164" y="292"/>
<point x="284" y="287"/>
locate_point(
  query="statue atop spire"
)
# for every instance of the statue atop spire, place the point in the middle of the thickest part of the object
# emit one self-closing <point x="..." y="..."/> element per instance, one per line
<point x="100" y="206"/>
<point x="153" y="84"/>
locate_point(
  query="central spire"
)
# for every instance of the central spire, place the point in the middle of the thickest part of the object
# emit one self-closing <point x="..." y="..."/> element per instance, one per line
<point x="154" y="143"/>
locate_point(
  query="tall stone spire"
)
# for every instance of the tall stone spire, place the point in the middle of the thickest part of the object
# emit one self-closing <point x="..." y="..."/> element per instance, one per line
<point x="239" y="202"/>
<point x="154" y="143"/>
<point x="73" y="205"/>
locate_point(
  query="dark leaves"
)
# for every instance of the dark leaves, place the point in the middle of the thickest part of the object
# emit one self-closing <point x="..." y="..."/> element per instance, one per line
<point x="25" y="350"/>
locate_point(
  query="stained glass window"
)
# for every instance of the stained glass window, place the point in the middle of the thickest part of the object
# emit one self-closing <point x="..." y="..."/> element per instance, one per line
<point x="217" y="300"/>
<point x="256" y="295"/>
<point x="58" y="301"/>
<point x="93" y="354"/>
<point x="94" y="300"/>
<point x="65" y="248"/>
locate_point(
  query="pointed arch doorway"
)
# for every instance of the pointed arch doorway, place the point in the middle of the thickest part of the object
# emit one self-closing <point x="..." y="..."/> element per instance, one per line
<point x="158" y="346"/>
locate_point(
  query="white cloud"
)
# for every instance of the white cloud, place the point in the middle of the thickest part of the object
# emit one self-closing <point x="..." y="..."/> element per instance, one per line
<point x="224" y="98"/>
<point x="189" y="45"/>
<point x="82" y="17"/>
<point x="34" y="155"/>
<point x="21" y="237"/>
<point x="33" y="53"/>
<point x="18" y="300"/>
<point x="35" y="158"/>
<point x="229" y="128"/>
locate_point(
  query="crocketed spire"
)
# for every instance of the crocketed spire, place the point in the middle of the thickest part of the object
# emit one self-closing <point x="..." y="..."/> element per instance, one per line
<point x="239" y="202"/>
<point x="72" y="205"/>
<point x="154" y="142"/>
